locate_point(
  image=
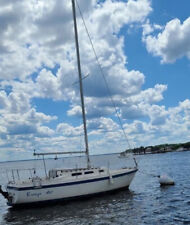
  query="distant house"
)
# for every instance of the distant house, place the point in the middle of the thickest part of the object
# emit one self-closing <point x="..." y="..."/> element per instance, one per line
<point x="168" y="149"/>
<point x="180" y="149"/>
<point x="148" y="150"/>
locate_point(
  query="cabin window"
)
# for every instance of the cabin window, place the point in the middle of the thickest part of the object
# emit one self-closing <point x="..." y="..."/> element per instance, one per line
<point x="88" y="172"/>
<point x="101" y="171"/>
<point x="76" y="174"/>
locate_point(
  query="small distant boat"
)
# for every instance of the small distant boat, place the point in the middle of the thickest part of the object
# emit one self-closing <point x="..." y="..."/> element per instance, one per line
<point x="62" y="184"/>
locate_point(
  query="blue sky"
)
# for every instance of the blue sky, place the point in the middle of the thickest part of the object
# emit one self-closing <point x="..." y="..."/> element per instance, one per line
<point x="144" y="49"/>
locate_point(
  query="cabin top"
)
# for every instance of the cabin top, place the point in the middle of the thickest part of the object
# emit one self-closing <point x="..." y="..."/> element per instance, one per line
<point x="74" y="172"/>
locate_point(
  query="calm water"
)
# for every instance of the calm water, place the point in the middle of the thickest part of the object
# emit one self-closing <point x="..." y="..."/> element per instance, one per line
<point x="144" y="203"/>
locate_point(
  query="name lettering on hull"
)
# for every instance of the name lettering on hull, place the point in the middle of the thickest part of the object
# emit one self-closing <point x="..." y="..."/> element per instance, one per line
<point x="39" y="194"/>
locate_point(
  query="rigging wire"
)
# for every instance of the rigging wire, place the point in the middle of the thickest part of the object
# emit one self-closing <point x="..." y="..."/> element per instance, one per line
<point x="103" y="75"/>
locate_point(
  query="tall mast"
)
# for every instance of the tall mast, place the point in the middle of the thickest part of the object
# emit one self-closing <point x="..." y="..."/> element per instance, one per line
<point x="80" y="82"/>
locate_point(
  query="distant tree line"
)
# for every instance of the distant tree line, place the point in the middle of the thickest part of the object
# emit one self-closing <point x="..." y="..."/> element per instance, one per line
<point x="160" y="148"/>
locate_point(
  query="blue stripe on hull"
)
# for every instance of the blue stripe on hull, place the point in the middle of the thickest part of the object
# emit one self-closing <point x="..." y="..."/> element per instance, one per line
<point x="70" y="183"/>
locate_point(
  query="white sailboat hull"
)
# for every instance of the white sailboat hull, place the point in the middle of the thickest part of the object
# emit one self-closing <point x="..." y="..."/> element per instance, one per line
<point x="63" y="190"/>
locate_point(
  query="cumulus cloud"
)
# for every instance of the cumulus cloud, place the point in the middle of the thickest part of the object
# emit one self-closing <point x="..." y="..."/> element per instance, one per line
<point x="102" y="125"/>
<point x="149" y="28"/>
<point x="14" y="102"/>
<point x="68" y="130"/>
<point x="20" y="124"/>
<point x="158" y="115"/>
<point x="171" y="43"/>
<point x="164" y="126"/>
<point x="138" y="106"/>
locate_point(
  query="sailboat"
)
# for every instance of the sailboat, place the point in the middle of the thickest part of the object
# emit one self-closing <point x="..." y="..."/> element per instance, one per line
<point x="64" y="184"/>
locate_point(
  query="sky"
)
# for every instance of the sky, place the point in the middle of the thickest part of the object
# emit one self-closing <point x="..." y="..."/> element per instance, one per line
<point x="143" y="47"/>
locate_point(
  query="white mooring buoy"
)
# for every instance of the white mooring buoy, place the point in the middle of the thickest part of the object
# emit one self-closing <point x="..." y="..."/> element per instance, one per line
<point x="165" y="180"/>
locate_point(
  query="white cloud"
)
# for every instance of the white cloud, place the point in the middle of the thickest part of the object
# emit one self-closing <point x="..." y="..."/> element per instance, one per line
<point x="14" y="102"/>
<point x="164" y="126"/>
<point x="171" y="43"/>
<point x="102" y="124"/>
<point x="69" y="131"/>
<point x="149" y="28"/>
<point x="158" y="115"/>
<point x="112" y="15"/>
<point x="140" y="105"/>
<point x="20" y="123"/>
<point x="148" y="96"/>
<point x="47" y="85"/>
<point x="43" y="131"/>
<point x="75" y="111"/>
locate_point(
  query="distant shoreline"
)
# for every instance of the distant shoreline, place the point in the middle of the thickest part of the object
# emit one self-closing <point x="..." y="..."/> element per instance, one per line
<point x="161" y="152"/>
<point x="163" y="148"/>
